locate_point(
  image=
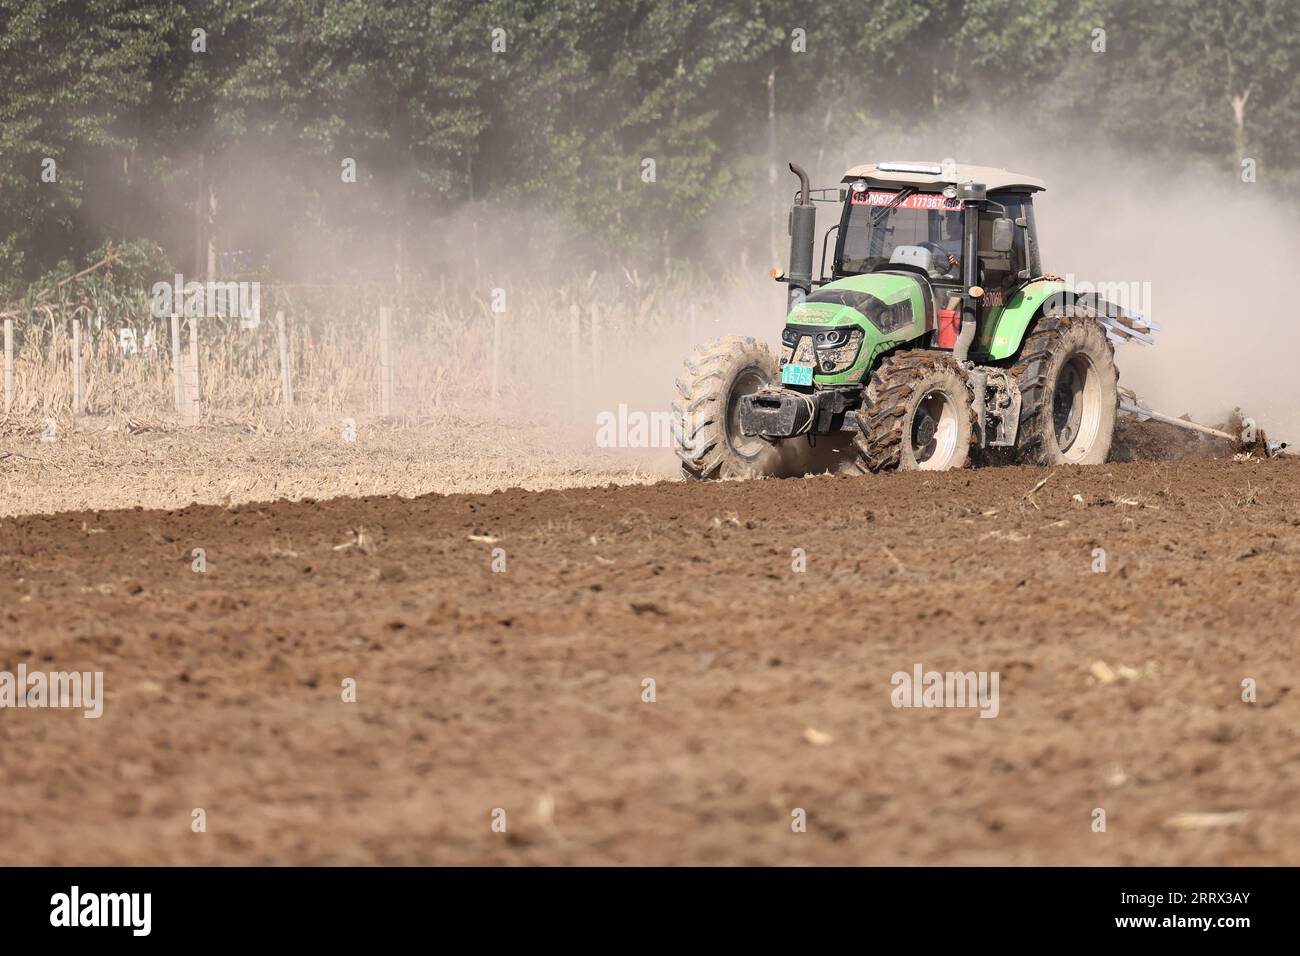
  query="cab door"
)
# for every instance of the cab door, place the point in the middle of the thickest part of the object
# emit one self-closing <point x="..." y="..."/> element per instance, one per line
<point x="1001" y="273"/>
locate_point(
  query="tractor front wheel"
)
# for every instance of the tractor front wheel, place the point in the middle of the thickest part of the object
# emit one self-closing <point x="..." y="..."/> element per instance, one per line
<point x="915" y="415"/>
<point x="706" y="417"/>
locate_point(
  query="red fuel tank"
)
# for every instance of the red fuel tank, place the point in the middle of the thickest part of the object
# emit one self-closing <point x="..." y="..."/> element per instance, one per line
<point x="949" y="324"/>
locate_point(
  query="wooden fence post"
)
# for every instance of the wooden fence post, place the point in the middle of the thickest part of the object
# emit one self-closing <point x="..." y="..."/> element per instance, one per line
<point x="76" y="367"/>
<point x="9" y="365"/>
<point x="286" y="383"/>
<point x="176" y="364"/>
<point x="194" y="408"/>
<point x="575" y="354"/>
<point x="496" y="355"/>
<point x="594" y="372"/>
<point x="385" y="362"/>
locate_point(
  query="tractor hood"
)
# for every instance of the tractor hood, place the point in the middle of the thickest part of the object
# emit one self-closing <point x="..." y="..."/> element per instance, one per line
<point x="887" y="307"/>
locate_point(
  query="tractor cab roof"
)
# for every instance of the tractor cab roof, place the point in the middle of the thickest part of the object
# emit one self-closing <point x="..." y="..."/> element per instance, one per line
<point x="896" y="174"/>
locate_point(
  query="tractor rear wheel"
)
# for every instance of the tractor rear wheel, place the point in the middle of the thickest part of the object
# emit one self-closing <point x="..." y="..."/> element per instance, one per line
<point x="706" y="417"/>
<point x="1067" y="377"/>
<point x="915" y="415"/>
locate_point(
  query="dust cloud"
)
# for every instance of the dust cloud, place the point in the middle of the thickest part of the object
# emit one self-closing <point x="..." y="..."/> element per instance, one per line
<point x="1202" y="251"/>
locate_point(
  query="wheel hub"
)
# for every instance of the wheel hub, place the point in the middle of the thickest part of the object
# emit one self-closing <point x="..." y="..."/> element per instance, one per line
<point x="746" y="383"/>
<point x="934" y="431"/>
<point x="1076" y="407"/>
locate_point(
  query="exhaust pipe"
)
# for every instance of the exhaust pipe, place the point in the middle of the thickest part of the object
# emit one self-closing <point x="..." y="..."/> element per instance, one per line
<point x="802" y="228"/>
<point x="972" y="196"/>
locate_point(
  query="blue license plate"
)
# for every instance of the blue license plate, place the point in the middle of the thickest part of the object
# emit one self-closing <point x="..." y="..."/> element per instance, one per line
<point x="796" y="375"/>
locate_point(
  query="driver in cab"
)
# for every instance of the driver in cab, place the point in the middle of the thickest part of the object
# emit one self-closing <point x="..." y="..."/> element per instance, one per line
<point x="951" y="243"/>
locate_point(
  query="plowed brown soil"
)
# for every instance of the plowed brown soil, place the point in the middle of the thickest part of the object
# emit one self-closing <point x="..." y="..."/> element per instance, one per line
<point x="523" y="690"/>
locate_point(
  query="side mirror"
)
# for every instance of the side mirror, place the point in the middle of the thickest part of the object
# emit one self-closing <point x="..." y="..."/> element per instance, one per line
<point x="1003" y="235"/>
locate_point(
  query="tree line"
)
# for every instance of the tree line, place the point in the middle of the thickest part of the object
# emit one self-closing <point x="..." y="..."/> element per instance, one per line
<point x="224" y="133"/>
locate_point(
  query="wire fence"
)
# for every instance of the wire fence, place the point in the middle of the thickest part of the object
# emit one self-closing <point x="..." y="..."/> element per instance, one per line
<point x="330" y="350"/>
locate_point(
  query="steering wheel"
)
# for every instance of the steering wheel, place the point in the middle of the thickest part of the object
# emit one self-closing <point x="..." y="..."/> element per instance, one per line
<point x="941" y="254"/>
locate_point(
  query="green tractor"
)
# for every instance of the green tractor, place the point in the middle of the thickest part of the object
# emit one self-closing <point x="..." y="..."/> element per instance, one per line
<point x="935" y="342"/>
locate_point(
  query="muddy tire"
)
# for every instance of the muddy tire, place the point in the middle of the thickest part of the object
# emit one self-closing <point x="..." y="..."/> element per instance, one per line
<point x="915" y="415"/>
<point x="1067" y="377"/>
<point x="706" y="426"/>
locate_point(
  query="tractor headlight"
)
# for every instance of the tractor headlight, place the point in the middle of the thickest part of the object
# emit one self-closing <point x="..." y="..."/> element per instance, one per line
<point x="837" y="350"/>
<point x="789" y="339"/>
<point x="832" y="338"/>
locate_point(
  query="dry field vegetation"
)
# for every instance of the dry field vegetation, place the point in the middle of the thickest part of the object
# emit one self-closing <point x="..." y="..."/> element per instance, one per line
<point x="482" y="399"/>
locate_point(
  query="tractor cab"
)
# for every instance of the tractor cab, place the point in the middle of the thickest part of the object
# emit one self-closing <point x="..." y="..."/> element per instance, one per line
<point x="964" y="235"/>
<point x="888" y="206"/>
<point x="918" y="218"/>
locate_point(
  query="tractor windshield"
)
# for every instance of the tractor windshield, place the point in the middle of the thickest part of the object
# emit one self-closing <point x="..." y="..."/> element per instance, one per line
<point x="873" y="231"/>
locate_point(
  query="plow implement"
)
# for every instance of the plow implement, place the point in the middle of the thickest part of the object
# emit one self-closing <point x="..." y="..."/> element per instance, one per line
<point x="1249" y="438"/>
<point x="1124" y="325"/>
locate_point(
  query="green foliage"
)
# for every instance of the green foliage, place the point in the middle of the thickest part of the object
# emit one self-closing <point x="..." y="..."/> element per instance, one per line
<point x="1192" y="57"/>
<point x="243" y="142"/>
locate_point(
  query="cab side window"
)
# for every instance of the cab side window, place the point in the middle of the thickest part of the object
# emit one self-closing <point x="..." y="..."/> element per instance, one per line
<point x="1004" y="268"/>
